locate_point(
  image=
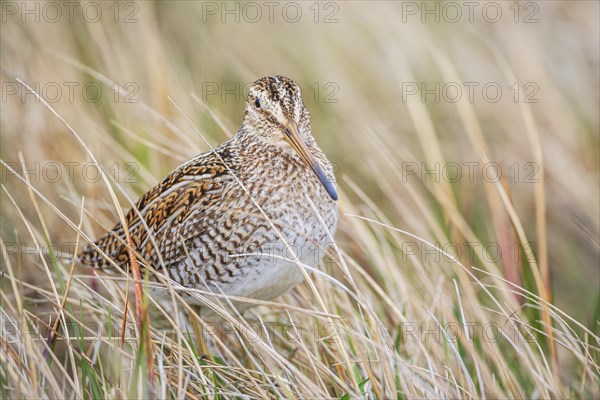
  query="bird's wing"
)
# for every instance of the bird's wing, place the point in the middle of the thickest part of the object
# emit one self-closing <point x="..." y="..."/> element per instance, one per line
<point x="191" y="188"/>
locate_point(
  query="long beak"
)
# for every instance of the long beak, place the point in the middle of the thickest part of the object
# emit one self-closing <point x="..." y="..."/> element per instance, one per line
<point x="293" y="137"/>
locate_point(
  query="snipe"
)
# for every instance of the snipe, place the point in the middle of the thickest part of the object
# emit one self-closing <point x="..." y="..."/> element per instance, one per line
<point x="207" y="228"/>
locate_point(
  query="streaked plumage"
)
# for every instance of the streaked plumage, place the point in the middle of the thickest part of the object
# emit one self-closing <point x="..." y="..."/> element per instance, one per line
<point x="209" y="232"/>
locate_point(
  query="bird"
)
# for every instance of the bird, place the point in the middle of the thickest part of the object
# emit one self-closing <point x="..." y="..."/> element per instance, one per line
<point x="241" y="219"/>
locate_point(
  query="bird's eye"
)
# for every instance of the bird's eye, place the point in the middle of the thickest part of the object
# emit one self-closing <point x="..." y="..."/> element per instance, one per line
<point x="257" y="102"/>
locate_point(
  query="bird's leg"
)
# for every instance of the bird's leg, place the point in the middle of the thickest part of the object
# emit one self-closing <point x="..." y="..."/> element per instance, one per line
<point x="201" y="338"/>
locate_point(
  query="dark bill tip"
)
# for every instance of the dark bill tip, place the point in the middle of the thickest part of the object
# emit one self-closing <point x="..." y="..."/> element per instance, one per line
<point x="325" y="181"/>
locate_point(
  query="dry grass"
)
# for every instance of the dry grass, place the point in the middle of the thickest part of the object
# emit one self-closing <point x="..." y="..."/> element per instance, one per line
<point x="395" y="312"/>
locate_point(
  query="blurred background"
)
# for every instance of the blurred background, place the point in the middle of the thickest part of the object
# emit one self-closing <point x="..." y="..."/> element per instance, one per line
<point x="426" y="109"/>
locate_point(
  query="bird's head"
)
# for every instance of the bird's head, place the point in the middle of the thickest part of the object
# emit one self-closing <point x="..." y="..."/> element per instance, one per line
<point x="275" y="111"/>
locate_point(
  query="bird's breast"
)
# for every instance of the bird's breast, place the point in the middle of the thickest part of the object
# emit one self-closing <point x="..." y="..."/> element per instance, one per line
<point x="294" y="199"/>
